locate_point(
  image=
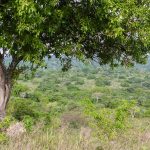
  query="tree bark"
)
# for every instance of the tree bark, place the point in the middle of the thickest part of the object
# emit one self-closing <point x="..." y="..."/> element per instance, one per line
<point x="5" y="89"/>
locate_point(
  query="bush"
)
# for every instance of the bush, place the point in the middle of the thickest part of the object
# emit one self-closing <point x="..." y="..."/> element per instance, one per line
<point x="72" y="105"/>
<point x="47" y="119"/>
<point x="111" y="103"/>
<point x="86" y="70"/>
<point x="134" y="80"/>
<point x="130" y="90"/>
<point x="35" y="96"/>
<point x="28" y="122"/>
<point x="5" y="123"/>
<point x="55" y="97"/>
<point x="80" y="82"/>
<point x="24" y="108"/>
<point x="147" y="113"/>
<point x="146" y="84"/>
<point x="125" y="84"/>
<point x="72" y="87"/>
<point x="102" y="82"/>
<point x="122" y="77"/>
<point x="91" y="76"/>
<point x="18" y="89"/>
<point x="109" y="122"/>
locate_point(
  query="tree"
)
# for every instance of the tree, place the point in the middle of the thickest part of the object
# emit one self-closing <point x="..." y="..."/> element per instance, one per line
<point x="109" y="31"/>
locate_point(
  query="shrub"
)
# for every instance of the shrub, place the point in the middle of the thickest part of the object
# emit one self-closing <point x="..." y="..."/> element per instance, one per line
<point x="34" y="96"/>
<point x="57" y="81"/>
<point x="72" y="105"/>
<point x="85" y="70"/>
<point x="125" y="84"/>
<point x="130" y="90"/>
<point x="122" y="77"/>
<point x="102" y="82"/>
<point x="134" y="80"/>
<point x="109" y="122"/>
<point x="47" y="119"/>
<point x="5" y="123"/>
<point x="147" y="113"/>
<point x="23" y="108"/>
<point x="91" y="76"/>
<point x="28" y="122"/>
<point x="72" y="87"/>
<point x="55" y="96"/>
<point x="18" y="89"/>
<point x="146" y="84"/>
<point x="111" y="103"/>
<point x="80" y="82"/>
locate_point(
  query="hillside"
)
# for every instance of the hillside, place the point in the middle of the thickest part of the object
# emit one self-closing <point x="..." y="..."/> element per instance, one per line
<point x="87" y="108"/>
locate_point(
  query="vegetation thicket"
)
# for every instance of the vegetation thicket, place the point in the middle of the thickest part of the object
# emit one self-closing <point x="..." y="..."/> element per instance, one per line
<point x="107" y="31"/>
<point x="70" y="105"/>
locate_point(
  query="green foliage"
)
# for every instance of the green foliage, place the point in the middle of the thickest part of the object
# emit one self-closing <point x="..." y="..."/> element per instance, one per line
<point x="47" y="119"/>
<point x="3" y="138"/>
<point x="54" y="97"/>
<point x="123" y="112"/>
<point x="109" y="122"/>
<point x="35" y="96"/>
<point x="79" y="82"/>
<point x="146" y="84"/>
<point x="24" y="108"/>
<point x="105" y="30"/>
<point x="90" y="77"/>
<point x="72" y="105"/>
<point x="101" y="82"/>
<point x="122" y="77"/>
<point x="5" y="123"/>
<point x="72" y="87"/>
<point x="28" y="122"/>
<point x="125" y="84"/>
<point x="147" y="113"/>
<point x="55" y="94"/>
<point x="130" y="90"/>
<point x="18" y="89"/>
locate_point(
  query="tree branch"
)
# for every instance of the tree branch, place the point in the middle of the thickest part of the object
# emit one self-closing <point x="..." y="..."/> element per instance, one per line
<point x="12" y="67"/>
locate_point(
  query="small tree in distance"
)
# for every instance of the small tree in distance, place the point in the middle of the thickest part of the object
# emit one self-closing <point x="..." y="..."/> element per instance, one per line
<point x="112" y="32"/>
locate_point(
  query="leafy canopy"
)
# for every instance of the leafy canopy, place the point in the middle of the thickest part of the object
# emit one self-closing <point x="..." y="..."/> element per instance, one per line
<point x="108" y="31"/>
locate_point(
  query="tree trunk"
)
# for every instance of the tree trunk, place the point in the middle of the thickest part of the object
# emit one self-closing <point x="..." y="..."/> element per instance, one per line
<point x="4" y="92"/>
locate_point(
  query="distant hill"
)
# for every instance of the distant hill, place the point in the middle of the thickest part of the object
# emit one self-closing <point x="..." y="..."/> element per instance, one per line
<point x="54" y="64"/>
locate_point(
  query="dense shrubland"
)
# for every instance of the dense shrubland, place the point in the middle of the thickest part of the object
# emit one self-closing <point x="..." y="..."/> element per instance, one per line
<point x="108" y="102"/>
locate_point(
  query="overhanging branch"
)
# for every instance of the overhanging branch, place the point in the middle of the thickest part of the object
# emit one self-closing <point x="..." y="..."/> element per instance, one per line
<point x="12" y="67"/>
